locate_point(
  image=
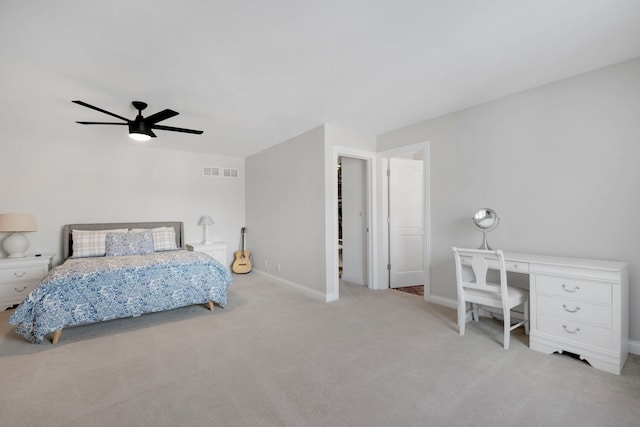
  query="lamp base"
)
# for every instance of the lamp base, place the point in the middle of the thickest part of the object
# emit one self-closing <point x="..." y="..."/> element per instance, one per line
<point x="15" y="244"/>
<point x="205" y="235"/>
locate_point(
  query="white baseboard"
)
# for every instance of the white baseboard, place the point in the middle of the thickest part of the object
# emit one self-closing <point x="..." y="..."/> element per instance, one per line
<point x="292" y="285"/>
<point x="447" y="302"/>
<point x="634" y="347"/>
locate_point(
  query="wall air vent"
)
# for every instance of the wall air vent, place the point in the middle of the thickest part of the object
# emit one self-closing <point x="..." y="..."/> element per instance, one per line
<point x="211" y="171"/>
<point x="230" y="173"/>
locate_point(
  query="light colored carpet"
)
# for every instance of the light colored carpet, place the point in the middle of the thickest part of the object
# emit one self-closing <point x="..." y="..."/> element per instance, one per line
<point x="275" y="357"/>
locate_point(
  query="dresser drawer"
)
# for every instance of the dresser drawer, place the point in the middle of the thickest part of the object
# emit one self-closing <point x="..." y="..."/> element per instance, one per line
<point x="575" y="289"/>
<point x="575" y="310"/>
<point x="581" y="333"/>
<point x="22" y="274"/>
<point x="17" y="290"/>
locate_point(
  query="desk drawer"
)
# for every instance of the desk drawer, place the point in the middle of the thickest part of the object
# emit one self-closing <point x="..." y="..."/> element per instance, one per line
<point x="517" y="267"/>
<point x="514" y="266"/>
<point x="578" y="332"/>
<point x="21" y="274"/>
<point x="575" y="310"/>
<point x="574" y="289"/>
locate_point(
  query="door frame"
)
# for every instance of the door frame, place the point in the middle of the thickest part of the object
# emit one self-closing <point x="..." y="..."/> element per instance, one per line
<point x="331" y="236"/>
<point x="383" y="199"/>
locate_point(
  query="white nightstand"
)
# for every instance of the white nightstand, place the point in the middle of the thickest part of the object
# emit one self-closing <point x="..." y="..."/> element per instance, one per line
<point x="19" y="276"/>
<point x="217" y="250"/>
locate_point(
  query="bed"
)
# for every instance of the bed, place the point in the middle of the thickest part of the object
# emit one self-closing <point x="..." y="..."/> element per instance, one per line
<point x="118" y="270"/>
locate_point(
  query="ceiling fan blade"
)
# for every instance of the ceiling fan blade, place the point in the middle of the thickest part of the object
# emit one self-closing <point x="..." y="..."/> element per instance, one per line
<point x="102" y="123"/>
<point x="171" y="128"/>
<point x="160" y="116"/>
<point x="84" y="104"/>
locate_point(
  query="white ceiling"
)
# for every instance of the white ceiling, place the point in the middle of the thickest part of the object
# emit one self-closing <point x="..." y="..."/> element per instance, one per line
<point x="254" y="73"/>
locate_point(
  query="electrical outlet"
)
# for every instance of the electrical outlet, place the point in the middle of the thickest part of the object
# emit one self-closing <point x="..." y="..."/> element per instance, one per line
<point x="265" y="263"/>
<point x="278" y="267"/>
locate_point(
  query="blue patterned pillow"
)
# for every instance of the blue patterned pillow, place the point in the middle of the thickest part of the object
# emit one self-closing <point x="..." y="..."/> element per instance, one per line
<point x="120" y="244"/>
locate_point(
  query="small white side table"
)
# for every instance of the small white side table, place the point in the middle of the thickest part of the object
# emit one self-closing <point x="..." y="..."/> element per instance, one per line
<point x="19" y="276"/>
<point x="217" y="250"/>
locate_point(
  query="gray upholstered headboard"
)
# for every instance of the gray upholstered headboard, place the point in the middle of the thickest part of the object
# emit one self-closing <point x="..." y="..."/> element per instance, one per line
<point x="67" y="242"/>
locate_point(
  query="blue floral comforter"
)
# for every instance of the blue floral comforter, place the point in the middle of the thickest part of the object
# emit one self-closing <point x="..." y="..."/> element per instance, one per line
<point x="88" y="290"/>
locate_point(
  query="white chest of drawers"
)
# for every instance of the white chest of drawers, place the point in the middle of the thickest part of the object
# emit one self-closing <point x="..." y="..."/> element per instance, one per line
<point x="19" y="276"/>
<point x="578" y="306"/>
<point x="217" y="250"/>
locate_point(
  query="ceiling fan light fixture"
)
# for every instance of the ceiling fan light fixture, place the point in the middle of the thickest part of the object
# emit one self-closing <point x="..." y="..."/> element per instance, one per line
<point x="139" y="132"/>
<point x="139" y="137"/>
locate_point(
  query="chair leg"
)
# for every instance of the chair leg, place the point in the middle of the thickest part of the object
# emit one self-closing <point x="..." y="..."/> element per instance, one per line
<point x="462" y="316"/>
<point x="526" y="317"/>
<point x="507" y="327"/>
<point x="476" y="312"/>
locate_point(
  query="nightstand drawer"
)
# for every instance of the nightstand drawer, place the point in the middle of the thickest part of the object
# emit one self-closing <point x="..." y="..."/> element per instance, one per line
<point x="19" y="276"/>
<point x="216" y="250"/>
<point x="22" y="274"/>
<point x="17" y="290"/>
<point x="568" y="330"/>
<point x="575" y="289"/>
<point x="576" y="310"/>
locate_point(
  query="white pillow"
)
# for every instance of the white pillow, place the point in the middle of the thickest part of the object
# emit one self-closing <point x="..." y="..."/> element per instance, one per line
<point x="164" y="238"/>
<point x="88" y="243"/>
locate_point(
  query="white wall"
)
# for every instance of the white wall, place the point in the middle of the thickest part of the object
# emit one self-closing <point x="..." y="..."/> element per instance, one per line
<point x="292" y="208"/>
<point x="285" y="189"/>
<point x="63" y="182"/>
<point x="559" y="164"/>
<point x="340" y="137"/>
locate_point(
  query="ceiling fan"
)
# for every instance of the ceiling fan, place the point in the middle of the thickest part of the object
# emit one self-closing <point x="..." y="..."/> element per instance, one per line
<point x="141" y="128"/>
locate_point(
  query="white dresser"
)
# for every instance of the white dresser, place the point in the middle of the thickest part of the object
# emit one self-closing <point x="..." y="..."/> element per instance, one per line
<point x="217" y="250"/>
<point x="579" y="306"/>
<point x="19" y="276"/>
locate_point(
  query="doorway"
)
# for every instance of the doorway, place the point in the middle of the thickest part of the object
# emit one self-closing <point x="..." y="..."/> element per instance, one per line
<point x="353" y="220"/>
<point x="369" y="160"/>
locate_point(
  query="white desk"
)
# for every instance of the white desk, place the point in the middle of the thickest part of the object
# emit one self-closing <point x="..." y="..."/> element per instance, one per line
<point x="577" y="305"/>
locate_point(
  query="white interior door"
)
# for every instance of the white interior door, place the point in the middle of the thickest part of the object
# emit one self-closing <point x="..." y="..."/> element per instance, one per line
<point x="406" y="230"/>
<point x="354" y="220"/>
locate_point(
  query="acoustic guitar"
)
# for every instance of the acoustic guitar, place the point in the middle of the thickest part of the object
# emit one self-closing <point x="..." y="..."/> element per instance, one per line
<point x="242" y="262"/>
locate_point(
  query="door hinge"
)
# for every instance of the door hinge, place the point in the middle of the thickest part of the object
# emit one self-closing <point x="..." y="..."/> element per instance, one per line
<point x="389" y="267"/>
<point x="388" y="172"/>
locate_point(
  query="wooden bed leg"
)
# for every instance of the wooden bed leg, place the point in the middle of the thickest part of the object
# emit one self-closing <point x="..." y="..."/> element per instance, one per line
<point x="56" y="336"/>
<point x="210" y="305"/>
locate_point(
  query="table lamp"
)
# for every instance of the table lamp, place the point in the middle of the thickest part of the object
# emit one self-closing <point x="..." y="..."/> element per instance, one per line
<point x="205" y="222"/>
<point x="16" y="244"/>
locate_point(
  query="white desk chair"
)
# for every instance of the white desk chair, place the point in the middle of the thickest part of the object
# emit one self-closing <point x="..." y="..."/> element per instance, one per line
<point x="473" y="288"/>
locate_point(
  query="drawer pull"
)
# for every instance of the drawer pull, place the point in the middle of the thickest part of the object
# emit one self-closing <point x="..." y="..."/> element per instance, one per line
<point x="575" y="331"/>
<point x="570" y="290"/>
<point x="19" y="274"/>
<point x="24" y="288"/>
<point x="570" y="311"/>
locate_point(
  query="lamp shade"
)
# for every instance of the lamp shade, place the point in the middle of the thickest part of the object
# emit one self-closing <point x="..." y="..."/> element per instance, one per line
<point x="18" y="222"/>
<point x="206" y="220"/>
